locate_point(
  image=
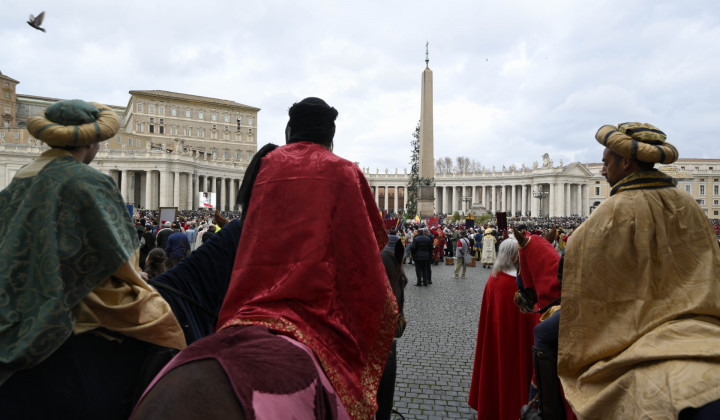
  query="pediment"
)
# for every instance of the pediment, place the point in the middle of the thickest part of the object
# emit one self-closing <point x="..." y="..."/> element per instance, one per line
<point x="576" y="168"/>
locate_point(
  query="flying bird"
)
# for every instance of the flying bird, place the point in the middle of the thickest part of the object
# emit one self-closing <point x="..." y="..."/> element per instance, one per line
<point x="35" y="22"/>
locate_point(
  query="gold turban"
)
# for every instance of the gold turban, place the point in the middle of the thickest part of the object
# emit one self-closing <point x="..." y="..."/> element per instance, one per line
<point x="74" y="123"/>
<point x="640" y="141"/>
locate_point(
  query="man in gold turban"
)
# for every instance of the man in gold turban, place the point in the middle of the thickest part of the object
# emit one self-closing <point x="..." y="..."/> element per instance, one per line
<point x="639" y="334"/>
<point x="77" y="321"/>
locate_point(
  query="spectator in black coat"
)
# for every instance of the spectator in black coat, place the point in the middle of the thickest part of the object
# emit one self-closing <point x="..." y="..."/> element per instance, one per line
<point x="421" y="250"/>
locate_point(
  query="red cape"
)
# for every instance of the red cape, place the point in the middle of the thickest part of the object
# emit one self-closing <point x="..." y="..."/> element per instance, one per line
<point x="308" y="266"/>
<point x="538" y="268"/>
<point x="503" y="356"/>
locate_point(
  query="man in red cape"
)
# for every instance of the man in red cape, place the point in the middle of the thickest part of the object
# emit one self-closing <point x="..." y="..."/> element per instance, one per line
<point x="322" y="282"/>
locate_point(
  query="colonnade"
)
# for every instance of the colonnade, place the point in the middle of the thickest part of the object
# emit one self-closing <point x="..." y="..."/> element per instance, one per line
<point x="559" y="199"/>
<point x="390" y="197"/>
<point x="153" y="189"/>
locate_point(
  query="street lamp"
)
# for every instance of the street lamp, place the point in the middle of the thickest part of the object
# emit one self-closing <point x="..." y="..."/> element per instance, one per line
<point x="466" y="199"/>
<point x="540" y="194"/>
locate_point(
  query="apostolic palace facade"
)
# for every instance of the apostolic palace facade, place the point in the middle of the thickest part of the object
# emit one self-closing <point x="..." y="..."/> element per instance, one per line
<point x="174" y="146"/>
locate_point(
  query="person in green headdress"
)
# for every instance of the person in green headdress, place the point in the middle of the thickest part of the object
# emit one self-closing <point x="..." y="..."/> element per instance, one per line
<point x="77" y="320"/>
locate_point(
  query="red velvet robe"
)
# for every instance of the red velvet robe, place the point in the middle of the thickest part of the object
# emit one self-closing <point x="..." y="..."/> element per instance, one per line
<point x="308" y="266"/>
<point x="539" y="262"/>
<point x="503" y="355"/>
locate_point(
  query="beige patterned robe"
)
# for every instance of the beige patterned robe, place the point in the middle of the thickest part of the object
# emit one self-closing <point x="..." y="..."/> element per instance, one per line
<point x="640" y="323"/>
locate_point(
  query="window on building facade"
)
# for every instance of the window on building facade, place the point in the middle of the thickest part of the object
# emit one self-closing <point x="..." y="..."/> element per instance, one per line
<point x="226" y="136"/>
<point x="201" y="115"/>
<point x="173" y="112"/>
<point x="226" y="118"/>
<point x="250" y="155"/>
<point x="214" y="154"/>
<point x="238" y="137"/>
<point x="119" y="140"/>
<point x="700" y="201"/>
<point x="213" y="134"/>
<point x="702" y="190"/>
<point x="251" y="121"/>
<point x="16" y="135"/>
<point x="161" y="110"/>
<point x="152" y="128"/>
<point x="139" y="108"/>
<point x="250" y="139"/>
<point x="201" y="132"/>
<point x="162" y="129"/>
<point x="715" y="213"/>
<point x="716" y="202"/>
<point x="188" y="131"/>
<point x="188" y="113"/>
<point x="213" y="116"/>
<point x="702" y="179"/>
<point x="2" y="135"/>
<point x="151" y="109"/>
<point x="597" y="191"/>
<point x="139" y="128"/>
<point x="716" y="190"/>
<point x="162" y="121"/>
<point x="137" y="142"/>
<point x="227" y="154"/>
<point x="687" y="188"/>
<point x="130" y="141"/>
<point x="173" y="130"/>
<point x="238" y="156"/>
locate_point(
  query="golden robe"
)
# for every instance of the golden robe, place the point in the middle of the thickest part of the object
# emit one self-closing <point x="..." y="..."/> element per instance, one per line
<point x="640" y="326"/>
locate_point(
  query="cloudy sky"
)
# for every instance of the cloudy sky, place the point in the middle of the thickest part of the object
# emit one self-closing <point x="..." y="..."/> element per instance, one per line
<point x="512" y="79"/>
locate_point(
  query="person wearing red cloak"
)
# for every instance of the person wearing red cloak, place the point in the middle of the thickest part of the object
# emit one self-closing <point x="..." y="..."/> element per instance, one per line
<point x="309" y="316"/>
<point x="503" y="355"/>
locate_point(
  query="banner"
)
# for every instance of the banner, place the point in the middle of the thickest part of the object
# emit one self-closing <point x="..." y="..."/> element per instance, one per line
<point x="207" y="200"/>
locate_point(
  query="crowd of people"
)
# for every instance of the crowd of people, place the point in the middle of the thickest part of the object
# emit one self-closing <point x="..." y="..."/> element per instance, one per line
<point x="613" y="316"/>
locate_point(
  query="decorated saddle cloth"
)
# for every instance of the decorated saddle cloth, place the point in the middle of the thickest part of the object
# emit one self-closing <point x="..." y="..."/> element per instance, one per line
<point x="273" y="376"/>
<point x="640" y="324"/>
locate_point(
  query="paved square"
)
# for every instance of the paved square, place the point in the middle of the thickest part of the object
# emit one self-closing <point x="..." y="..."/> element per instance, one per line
<point x="436" y="353"/>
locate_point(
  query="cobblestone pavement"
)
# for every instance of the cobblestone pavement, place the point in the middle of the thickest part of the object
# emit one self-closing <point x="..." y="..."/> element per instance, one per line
<point x="437" y="350"/>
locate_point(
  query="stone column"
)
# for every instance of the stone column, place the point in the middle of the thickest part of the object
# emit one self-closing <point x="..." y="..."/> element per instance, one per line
<point x="513" y="200"/>
<point x="524" y="194"/>
<point x="124" y="184"/>
<point x="586" y="201"/>
<point x="176" y="189"/>
<point x="561" y="200"/>
<point x="493" y="199"/>
<point x="233" y="195"/>
<point x="474" y="194"/>
<point x="387" y="197"/>
<point x="444" y="200"/>
<point x="222" y="204"/>
<point x="535" y="201"/>
<point x="190" y="202"/>
<point x="395" y="199"/>
<point x="551" y="200"/>
<point x="148" y="190"/>
<point x="164" y="188"/>
<point x="377" y="196"/>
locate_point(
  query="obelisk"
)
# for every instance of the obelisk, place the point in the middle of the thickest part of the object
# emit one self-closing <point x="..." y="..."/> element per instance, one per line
<point x="426" y="194"/>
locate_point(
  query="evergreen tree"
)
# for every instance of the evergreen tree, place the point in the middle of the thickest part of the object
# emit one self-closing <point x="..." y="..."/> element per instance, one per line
<point x="414" y="180"/>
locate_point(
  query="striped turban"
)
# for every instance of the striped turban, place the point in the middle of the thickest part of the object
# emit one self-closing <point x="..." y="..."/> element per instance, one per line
<point x="74" y="123"/>
<point x="640" y="141"/>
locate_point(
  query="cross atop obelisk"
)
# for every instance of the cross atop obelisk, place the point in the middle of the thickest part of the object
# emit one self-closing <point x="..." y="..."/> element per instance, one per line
<point x="426" y="196"/>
